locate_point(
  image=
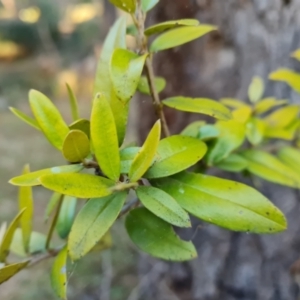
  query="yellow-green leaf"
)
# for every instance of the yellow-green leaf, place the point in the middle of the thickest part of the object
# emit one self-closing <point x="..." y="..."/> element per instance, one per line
<point x="233" y="103"/>
<point x="104" y="137"/>
<point x="279" y="133"/>
<point x="26" y="202"/>
<point x="73" y="104"/>
<point x="233" y="163"/>
<point x="76" y="146"/>
<point x="148" y="4"/>
<point x="49" y="118"/>
<point x="242" y="114"/>
<point x="9" y="271"/>
<point x="296" y="54"/>
<point x="59" y="274"/>
<point x="291" y="157"/>
<point x="163" y="206"/>
<point x="145" y="157"/>
<point x="290" y="77"/>
<point x="268" y="167"/>
<point x="156" y="237"/>
<point x="127" y="155"/>
<point x="8" y="237"/>
<point x="82" y="125"/>
<point x="143" y="86"/>
<point x="255" y="130"/>
<point x="92" y="222"/>
<point x="193" y="129"/>
<point x="32" y="179"/>
<point x="283" y="117"/>
<point x="175" y="154"/>
<point x="77" y="185"/>
<point x="52" y="204"/>
<point x="125" y="70"/>
<point x="30" y="121"/>
<point x="256" y="89"/>
<point x="103" y="84"/>
<point x="226" y="203"/>
<point x="179" y="36"/>
<point x="126" y="5"/>
<point x="267" y="104"/>
<point x="158" y="28"/>
<point x="199" y="105"/>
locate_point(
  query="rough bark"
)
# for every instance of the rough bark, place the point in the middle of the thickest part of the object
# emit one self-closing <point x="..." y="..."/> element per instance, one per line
<point x="254" y="38"/>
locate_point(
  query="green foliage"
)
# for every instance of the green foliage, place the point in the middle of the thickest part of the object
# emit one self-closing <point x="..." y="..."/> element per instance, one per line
<point x="166" y="177"/>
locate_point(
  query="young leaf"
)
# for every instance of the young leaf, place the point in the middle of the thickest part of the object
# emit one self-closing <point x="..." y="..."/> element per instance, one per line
<point x="199" y="105"/>
<point x="233" y="103"/>
<point x="126" y="5"/>
<point x="92" y="222"/>
<point x="30" y="121"/>
<point x="59" y="274"/>
<point x="148" y="4"/>
<point x="175" y="154"/>
<point x="49" y="118"/>
<point x="66" y="216"/>
<point x="127" y="155"/>
<point x="73" y="103"/>
<point x="104" y="137"/>
<point x="193" y="129"/>
<point x="9" y="234"/>
<point x="290" y="157"/>
<point x="9" y="271"/>
<point x="51" y="205"/>
<point x="283" y="117"/>
<point x="296" y="54"/>
<point x="156" y="237"/>
<point x="76" y="146"/>
<point x="163" y="206"/>
<point x="158" y="28"/>
<point x="267" y="104"/>
<point x="77" y="185"/>
<point x="103" y="84"/>
<point x="226" y="203"/>
<point x="233" y="163"/>
<point x="232" y="135"/>
<point x="288" y="76"/>
<point x="179" y="36"/>
<point x="255" y="130"/>
<point x="26" y="202"/>
<point x="270" y="168"/>
<point x="32" y="179"/>
<point x="143" y="86"/>
<point x="208" y="132"/>
<point x="125" y="70"/>
<point x="82" y="125"/>
<point x="256" y="89"/>
<point x="145" y="157"/>
<point x="242" y="114"/>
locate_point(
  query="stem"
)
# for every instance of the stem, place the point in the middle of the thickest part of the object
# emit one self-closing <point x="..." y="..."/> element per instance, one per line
<point x="127" y="207"/>
<point x="39" y="258"/>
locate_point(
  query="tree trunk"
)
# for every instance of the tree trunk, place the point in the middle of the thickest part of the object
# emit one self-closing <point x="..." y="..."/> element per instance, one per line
<point x="254" y="38"/>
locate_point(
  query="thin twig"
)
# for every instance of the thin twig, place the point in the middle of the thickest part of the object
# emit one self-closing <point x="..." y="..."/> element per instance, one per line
<point x="127" y="207"/>
<point x="37" y="258"/>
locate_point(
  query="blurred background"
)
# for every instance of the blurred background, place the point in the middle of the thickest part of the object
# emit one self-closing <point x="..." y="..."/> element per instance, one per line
<point x="46" y="43"/>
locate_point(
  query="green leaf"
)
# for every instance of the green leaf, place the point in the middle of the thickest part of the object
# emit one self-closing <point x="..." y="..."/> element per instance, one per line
<point x="8" y="237"/>
<point x="77" y="185"/>
<point x="127" y="155"/>
<point x="59" y="274"/>
<point x="255" y="130"/>
<point x="288" y="76"/>
<point x="30" y="121"/>
<point x="226" y="203"/>
<point x="208" y="132"/>
<point x="11" y="270"/>
<point x="175" y="154"/>
<point x="132" y="30"/>
<point x="105" y="138"/>
<point x="32" y="179"/>
<point x="296" y="54"/>
<point x="37" y="243"/>
<point x="125" y="70"/>
<point x="242" y="114"/>
<point x="179" y="36"/>
<point x="256" y="89"/>
<point x="268" y="167"/>
<point x="279" y="133"/>
<point x="145" y="157"/>
<point x="233" y="163"/>
<point x="163" y="206"/>
<point x="291" y="157"/>
<point x="232" y="135"/>
<point x="193" y="129"/>
<point x="76" y="146"/>
<point x="267" y="104"/>
<point x="66" y="216"/>
<point x="26" y="202"/>
<point x="156" y="237"/>
<point x="49" y="118"/>
<point x="92" y="222"/>
<point x="143" y="86"/>
<point x="148" y="4"/>
<point x="126" y="5"/>
<point x="283" y="117"/>
<point x="51" y="205"/>
<point x="199" y="105"/>
<point x="233" y="103"/>
<point x="73" y="104"/>
<point x="103" y="84"/>
<point x="82" y="125"/>
<point x="158" y="28"/>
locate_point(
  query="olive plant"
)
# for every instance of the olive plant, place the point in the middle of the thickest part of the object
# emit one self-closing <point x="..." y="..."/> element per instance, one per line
<point x="166" y="173"/>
